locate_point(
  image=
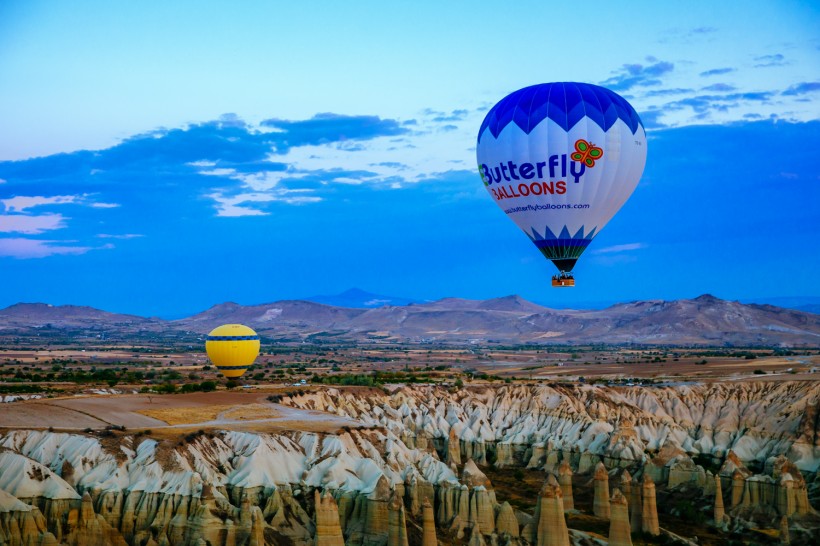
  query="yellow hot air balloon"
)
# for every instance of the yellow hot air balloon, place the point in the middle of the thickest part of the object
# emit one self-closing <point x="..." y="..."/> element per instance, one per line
<point x="232" y="348"/>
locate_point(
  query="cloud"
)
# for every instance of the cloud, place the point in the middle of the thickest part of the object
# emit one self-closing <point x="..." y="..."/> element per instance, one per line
<point x="703" y="30"/>
<point x="651" y="119"/>
<point x="328" y="127"/>
<point x="703" y="104"/>
<point x="105" y="205"/>
<point x="455" y="115"/>
<point x="121" y="236"/>
<point x="802" y="88"/>
<point x="639" y="75"/>
<point x="31" y="225"/>
<point x="238" y="205"/>
<point x="719" y="87"/>
<point x="765" y="61"/>
<point x="23" y="203"/>
<point x="22" y="248"/>
<point x="666" y="92"/>
<point x="619" y="248"/>
<point x="717" y="72"/>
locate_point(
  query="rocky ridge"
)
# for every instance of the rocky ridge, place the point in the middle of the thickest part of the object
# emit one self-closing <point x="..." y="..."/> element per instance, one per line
<point x="702" y="320"/>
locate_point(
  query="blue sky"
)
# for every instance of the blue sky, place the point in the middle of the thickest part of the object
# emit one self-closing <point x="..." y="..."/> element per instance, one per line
<point x="158" y="159"/>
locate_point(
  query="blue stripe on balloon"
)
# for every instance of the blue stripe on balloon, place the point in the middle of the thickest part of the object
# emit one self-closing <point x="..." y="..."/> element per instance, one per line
<point x="565" y="103"/>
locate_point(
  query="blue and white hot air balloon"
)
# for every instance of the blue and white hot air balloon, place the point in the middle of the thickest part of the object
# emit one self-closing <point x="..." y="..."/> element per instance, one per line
<point x="560" y="159"/>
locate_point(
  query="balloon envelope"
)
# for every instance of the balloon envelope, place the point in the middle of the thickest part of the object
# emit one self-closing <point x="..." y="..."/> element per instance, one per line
<point x="560" y="159"/>
<point x="232" y="348"/>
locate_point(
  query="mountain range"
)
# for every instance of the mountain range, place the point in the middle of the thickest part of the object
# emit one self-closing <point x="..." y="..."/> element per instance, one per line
<point x="705" y="320"/>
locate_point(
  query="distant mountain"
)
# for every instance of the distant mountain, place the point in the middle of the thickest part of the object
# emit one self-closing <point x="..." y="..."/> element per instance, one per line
<point x="359" y="299"/>
<point x="705" y="320"/>
<point x="808" y="304"/>
<point x="24" y="317"/>
<point x="287" y="316"/>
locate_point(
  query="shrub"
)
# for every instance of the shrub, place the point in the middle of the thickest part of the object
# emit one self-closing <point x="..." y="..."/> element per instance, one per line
<point x="208" y="386"/>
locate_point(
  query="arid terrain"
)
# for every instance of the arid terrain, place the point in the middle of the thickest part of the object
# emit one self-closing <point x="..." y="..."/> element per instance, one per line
<point x="492" y="461"/>
<point x="134" y="438"/>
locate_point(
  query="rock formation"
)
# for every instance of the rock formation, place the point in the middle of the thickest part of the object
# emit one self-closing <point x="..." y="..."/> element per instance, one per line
<point x="481" y="498"/>
<point x="453" y="449"/>
<point x="719" y="515"/>
<point x="21" y="523"/>
<point x="784" y="530"/>
<point x="565" y="481"/>
<point x="475" y="537"/>
<point x="551" y="527"/>
<point x="428" y="521"/>
<point x="328" y="529"/>
<point x="649" y="515"/>
<point x="514" y="420"/>
<point x="738" y="485"/>
<point x="396" y="525"/>
<point x="619" y="529"/>
<point x="240" y="488"/>
<point x="506" y="522"/>
<point x="635" y="506"/>
<point x="600" y="504"/>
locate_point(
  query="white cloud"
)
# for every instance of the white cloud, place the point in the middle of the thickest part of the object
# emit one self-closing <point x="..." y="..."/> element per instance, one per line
<point x="619" y="248"/>
<point x="105" y="205"/>
<point x="31" y="225"/>
<point x="219" y="172"/>
<point x="202" y="163"/>
<point x="122" y="236"/>
<point x="23" y="203"/>
<point x="22" y="248"/>
<point x="235" y="206"/>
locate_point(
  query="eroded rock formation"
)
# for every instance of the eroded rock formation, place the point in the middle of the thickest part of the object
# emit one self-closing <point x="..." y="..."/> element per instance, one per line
<point x="328" y="530"/>
<point x="371" y="486"/>
<point x="649" y="515"/>
<point x="565" y="481"/>
<point x="600" y="504"/>
<point x="619" y="530"/>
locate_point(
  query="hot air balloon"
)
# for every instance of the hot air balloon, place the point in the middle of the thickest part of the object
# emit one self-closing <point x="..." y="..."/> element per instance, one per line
<point x="560" y="159"/>
<point x="232" y="348"/>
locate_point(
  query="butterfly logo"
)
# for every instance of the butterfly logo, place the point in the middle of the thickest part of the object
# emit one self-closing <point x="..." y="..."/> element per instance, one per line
<point x="586" y="152"/>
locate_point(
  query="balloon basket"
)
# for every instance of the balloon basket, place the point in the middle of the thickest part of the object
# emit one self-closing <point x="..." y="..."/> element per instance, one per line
<point x="563" y="282"/>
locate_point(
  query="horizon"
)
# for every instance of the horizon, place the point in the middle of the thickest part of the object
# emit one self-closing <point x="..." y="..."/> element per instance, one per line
<point x="806" y="305"/>
<point x="155" y="159"/>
